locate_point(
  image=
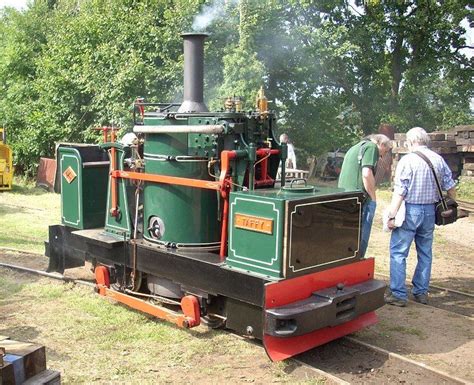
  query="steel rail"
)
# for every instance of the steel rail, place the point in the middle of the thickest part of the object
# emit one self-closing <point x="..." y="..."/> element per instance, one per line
<point x="57" y="276"/>
<point x="385" y="353"/>
<point x="437" y="287"/>
<point x="332" y="379"/>
<point x="421" y="365"/>
<point x="328" y="376"/>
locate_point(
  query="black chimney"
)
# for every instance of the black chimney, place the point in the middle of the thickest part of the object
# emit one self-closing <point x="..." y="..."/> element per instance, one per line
<point x="193" y="100"/>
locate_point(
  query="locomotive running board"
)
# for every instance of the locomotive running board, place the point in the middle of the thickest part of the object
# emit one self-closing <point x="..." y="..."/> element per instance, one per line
<point x="334" y="302"/>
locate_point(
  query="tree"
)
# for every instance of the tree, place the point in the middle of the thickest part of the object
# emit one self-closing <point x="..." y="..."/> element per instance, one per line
<point x="74" y="66"/>
<point x="334" y="69"/>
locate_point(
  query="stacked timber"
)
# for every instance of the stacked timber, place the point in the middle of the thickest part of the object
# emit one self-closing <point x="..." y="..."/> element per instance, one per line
<point x="24" y="363"/>
<point x="443" y="143"/>
<point x="465" y="145"/>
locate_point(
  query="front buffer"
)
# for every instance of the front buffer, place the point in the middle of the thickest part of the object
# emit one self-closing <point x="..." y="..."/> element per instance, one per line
<point x="304" y="312"/>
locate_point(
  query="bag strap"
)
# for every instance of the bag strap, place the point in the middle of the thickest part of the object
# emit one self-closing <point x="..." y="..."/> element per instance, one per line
<point x="360" y="156"/>
<point x="438" y="185"/>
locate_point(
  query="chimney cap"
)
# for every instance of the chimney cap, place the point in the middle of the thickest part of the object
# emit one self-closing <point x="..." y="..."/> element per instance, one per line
<point x="204" y="34"/>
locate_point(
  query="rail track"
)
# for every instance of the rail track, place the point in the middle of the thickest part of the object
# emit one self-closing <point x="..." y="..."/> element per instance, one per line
<point x="344" y="361"/>
<point x="452" y="300"/>
<point x="353" y="361"/>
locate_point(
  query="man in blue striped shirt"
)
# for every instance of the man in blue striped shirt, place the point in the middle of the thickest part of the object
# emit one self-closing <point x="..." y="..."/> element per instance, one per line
<point x="415" y="184"/>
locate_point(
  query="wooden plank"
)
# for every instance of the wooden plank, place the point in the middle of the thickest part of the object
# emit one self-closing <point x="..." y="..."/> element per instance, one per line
<point x="437" y="136"/>
<point x="468" y="166"/>
<point x="467" y="158"/>
<point x="7" y="374"/>
<point x="467" y="172"/>
<point x="400" y="136"/>
<point x="34" y="356"/>
<point x="400" y="150"/>
<point x="464" y="127"/>
<point x="18" y="366"/>
<point x="46" y="377"/>
<point x="444" y="150"/>
<point x="462" y="141"/>
<point x="443" y="143"/>
<point x="398" y="144"/>
<point x="19" y="348"/>
<point x="466" y="148"/>
<point x="463" y="134"/>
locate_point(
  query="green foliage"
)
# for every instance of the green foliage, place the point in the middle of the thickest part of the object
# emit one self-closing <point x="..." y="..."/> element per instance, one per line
<point x="465" y="190"/>
<point x="74" y="67"/>
<point x="243" y="71"/>
<point x="333" y="70"/>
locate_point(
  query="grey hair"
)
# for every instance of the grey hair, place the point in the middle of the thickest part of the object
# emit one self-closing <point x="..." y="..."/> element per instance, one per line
<point x="381" y="139"/>
<point x="284" y="138"/>
<point x="417" y="135"/>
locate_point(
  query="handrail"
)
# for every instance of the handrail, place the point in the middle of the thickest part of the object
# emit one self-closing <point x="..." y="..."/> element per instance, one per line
<point x="180" y="129"/>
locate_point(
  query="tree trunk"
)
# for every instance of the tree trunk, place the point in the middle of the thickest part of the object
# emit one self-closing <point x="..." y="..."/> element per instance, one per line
<point x="397" y="70"/>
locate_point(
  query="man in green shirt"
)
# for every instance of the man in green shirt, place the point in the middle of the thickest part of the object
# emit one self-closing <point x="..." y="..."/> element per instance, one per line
<point x="358" y="173"/>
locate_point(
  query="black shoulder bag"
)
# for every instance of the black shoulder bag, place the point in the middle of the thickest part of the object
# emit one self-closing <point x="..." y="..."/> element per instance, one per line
<point x="446" y="208"/>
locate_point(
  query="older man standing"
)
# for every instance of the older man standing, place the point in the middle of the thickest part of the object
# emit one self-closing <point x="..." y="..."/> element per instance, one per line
<point x="358" y="173"/>
<point x="415" y="184"/>
<point x="291" y="158"/>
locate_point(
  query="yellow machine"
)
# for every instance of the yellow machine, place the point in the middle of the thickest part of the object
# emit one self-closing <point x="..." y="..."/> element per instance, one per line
<point x="6" y="163"/>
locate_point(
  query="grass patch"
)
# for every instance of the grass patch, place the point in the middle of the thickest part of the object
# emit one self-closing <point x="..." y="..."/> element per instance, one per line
<point x="8" y="287"/>
<point x="93" y="339"/>
<point x="25" y="213"/>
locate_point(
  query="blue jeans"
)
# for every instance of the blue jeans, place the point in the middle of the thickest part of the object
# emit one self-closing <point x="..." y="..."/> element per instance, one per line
<point x="419" y="226"/>
<point x="368" y="213"/>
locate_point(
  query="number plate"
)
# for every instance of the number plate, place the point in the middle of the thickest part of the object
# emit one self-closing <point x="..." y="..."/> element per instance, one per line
<point x="247" y="222"/>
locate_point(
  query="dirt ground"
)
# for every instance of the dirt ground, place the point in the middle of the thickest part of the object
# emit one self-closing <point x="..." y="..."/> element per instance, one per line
<point x="436" y="337"/>
<point x="439" y="338"/>
<point x="453" y="252"/>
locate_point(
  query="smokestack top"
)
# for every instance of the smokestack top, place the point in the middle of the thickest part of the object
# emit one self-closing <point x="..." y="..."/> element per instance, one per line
<point x="193" y="100"/>
<point x="186" y="34"/>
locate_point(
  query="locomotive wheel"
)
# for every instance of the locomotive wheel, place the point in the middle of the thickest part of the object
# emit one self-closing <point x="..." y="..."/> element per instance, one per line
<point x="212" y="322"/>
<point x="118" y="280"/>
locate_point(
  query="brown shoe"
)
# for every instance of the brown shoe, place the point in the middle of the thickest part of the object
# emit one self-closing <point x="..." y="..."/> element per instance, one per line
<point x="392" y="300"/>
<point x="421" y="298"/>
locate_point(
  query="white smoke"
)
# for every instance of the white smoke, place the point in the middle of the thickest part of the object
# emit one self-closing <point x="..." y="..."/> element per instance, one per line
<point x="210" y="12"/>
